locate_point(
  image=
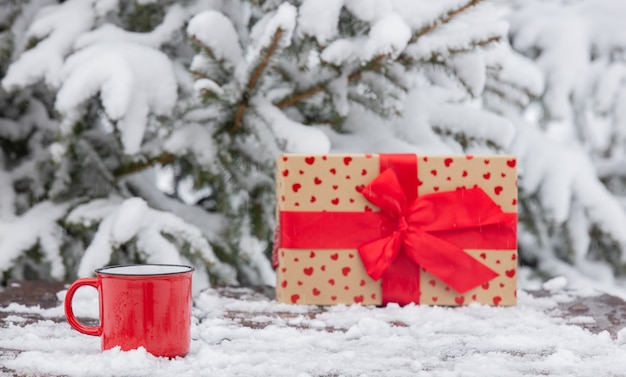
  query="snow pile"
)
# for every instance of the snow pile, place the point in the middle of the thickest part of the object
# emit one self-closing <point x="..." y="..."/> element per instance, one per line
<point x="281" y="340"/>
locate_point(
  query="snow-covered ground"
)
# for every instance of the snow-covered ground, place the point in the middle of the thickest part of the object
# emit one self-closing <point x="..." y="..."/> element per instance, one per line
<point x="274" y="339"/>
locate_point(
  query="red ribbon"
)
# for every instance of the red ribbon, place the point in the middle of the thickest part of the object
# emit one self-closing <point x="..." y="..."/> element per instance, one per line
<point x="417" y="221"/>
<point x="429" y="231"/>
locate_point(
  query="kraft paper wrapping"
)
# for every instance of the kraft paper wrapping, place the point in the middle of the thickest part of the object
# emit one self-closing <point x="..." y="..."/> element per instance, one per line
<point x="333" y="183"/>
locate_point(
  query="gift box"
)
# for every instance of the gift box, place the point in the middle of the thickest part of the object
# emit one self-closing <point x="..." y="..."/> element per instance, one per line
<point x="403" y="228"/>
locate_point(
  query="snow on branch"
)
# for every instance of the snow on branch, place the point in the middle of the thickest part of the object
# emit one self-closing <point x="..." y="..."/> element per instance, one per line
<point x="472" y="124"/>
<point x="319" y="18"/>
<point x="208" y="224"/>
<point x="443" y="19"/>
<point x="124" y="75"/>
<point x="562" y="175"/>
<point x="298" y="138"/>
<point x="196" y="139"/>
<point x="513" y="76"/>
<point x="136" y="166"/>
<point x="272" y="34"/>
<point x="255" y="78"/>
<point x="175" y="17"/>
<point x="57" y="36"/>
<point x="355" y="76"/>
<point x="474" y="32"/>
<point x="122" y="221"/>
<point x="390" y="38"/>
<point x="216" y="35"/>
<point x="38" y="227"/>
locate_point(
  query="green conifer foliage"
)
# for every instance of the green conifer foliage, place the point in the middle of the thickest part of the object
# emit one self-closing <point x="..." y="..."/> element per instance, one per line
<point x="146" y="131"/>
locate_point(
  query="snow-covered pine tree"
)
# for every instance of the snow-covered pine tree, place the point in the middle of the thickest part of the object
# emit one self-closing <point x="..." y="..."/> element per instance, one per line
<point x="317" y="76"/>
<point x="207" y="93"/>
<point x="270" y="76"/>
<point x="89" y="88"/>
<point x="570" y="135"/>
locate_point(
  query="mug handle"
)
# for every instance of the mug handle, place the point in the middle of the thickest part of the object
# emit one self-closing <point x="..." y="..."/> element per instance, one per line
<point x="69" y="312"/>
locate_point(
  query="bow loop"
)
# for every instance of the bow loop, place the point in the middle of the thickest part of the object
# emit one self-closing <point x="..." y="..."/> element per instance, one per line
<point x="416" y="225"/>
<point x="386" y="193"/>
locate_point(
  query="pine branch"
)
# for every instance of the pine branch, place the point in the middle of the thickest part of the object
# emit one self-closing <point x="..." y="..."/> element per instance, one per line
<point x="436" y="56"/>
<point x="256" y="75"/>
<point x="203" y="47"/>
<point x="443" y="20"/>
<point x="137" y="166"/>
<point x="374" y="65"/>
<point x="199" y="75"/>
<point x="492" y="74"/>
<point x="297" y="97"/>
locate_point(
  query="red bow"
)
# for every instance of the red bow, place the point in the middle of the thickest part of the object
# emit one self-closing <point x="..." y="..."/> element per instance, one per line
<point x="418" y="225"/>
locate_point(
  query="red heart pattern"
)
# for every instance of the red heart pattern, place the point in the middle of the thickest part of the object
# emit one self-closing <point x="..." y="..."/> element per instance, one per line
<point x="345" y="177"/>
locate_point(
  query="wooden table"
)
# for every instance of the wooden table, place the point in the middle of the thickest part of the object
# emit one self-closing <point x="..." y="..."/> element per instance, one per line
<point x="608" y="312"/>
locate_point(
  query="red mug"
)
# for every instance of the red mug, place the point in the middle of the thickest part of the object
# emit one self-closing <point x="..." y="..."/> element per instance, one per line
<point x="146" y="305"/>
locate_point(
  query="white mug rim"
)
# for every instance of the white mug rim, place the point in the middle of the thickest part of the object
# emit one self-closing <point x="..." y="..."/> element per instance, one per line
<point x="152" y="269"/>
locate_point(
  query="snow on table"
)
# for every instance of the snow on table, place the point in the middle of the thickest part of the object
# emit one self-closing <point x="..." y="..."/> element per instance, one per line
<point x="243" y="332"/>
